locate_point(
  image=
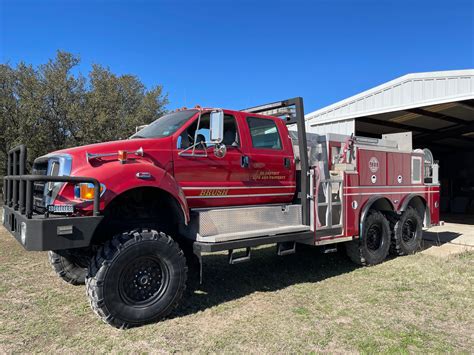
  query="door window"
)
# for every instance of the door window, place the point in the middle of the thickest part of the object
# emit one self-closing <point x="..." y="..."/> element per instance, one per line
<point x="264" y="133"/>
<point x="188" y="138"/>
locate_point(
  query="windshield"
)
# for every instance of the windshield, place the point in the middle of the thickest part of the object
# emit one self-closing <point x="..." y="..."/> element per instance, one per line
<point x="165" y="125"/>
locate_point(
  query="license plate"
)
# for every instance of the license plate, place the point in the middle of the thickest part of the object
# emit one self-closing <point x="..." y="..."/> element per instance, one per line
<point x="60" y="208"/>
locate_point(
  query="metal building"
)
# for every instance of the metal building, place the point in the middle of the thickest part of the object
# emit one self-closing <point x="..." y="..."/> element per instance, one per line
<point x="437" y="107"/>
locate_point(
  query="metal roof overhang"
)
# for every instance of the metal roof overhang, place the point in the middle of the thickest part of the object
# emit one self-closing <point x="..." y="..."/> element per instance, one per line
<point x="444" y="128"/>
<point x="438" y="107"/>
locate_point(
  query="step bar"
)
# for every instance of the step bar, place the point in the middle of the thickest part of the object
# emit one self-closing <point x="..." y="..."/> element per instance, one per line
<point x="203" y="247"/>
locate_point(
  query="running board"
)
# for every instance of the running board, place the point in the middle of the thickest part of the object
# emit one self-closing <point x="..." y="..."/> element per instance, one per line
<point x="218" y="238"/>
<point x="202" y="247"/>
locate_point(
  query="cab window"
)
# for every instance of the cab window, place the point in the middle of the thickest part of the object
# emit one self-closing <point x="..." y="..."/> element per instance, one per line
<point x="264" y="133"/>
<point x="231" y="136"/>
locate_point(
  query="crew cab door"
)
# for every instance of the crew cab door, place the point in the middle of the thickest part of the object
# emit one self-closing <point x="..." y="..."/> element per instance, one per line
<point x="270" y="160"/>
<point x="209" y="181"/>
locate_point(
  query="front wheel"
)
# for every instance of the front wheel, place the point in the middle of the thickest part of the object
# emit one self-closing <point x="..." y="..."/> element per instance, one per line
<point x="374" y="243"/>
<point x="136" y="278"/>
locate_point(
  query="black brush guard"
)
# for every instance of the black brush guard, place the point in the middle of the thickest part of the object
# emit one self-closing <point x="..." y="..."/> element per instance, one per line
<point x="43" y="231"/>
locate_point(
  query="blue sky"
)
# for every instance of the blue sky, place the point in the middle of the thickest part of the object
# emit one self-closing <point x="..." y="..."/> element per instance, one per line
<point x="236" y="54"/>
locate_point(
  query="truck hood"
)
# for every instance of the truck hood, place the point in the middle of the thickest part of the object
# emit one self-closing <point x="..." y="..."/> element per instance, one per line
<point x="107" y="147"/>
<point x="151" y="148"/>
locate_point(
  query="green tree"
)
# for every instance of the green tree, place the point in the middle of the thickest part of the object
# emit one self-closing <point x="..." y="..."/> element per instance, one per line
<point x="50" y="108"/>
<point x="117" y="104"/>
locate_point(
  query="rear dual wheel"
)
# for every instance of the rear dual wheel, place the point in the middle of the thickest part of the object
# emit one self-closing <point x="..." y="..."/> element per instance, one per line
<point x="136" y="278"/>
<point x="373" y="246"/>
<point x="407" y="233"/>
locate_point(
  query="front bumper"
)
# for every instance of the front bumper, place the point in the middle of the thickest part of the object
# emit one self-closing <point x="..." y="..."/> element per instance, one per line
<point x="50" y="233"/>
<point x="43" y="231"/>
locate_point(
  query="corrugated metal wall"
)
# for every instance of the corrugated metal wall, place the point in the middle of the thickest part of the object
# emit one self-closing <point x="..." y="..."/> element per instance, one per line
<point x="346" y="127"/>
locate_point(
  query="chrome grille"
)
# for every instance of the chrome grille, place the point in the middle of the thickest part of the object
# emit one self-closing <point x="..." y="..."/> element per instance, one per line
<point x="39" y="188"/>
<point x="44" y="194"/>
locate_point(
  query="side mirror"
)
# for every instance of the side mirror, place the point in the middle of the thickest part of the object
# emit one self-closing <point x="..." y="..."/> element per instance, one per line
<point x="216" y="127"/>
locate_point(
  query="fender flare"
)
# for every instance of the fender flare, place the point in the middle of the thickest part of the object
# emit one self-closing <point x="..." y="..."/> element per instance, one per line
<point x="127" y="174"/>
<point x="365" y="210"/>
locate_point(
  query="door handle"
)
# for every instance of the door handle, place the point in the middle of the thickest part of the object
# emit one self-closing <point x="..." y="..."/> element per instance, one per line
<point x="287" y="163"/>
<point x="244" y="161"/>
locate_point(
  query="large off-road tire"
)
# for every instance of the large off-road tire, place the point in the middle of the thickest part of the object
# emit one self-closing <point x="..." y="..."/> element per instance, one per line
<point x="374" y="243"/>
<point x="136" y="278"/>
<point x="68" y="266"/>
<point x="407" y="233"/>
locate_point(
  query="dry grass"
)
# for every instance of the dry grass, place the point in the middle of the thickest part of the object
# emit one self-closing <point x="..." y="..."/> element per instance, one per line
<point x="300" y="303"/>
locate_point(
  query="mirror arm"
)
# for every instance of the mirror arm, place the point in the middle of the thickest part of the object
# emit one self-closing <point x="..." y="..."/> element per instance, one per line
<point x="192" y="154"/>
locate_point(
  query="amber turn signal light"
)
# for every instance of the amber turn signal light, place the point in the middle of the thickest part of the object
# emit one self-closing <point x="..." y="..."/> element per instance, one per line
<point x="85" y="191"/>
<point x="122" y="156"/>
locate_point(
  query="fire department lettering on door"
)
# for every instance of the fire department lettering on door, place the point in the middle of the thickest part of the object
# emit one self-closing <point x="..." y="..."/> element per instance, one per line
<point x="214" y="192"/>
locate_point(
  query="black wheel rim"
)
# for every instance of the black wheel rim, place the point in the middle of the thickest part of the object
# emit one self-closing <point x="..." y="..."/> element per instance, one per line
<point x="143" y="281"/>
<point x="374" y="238"/>
<point x="409" y="230"/>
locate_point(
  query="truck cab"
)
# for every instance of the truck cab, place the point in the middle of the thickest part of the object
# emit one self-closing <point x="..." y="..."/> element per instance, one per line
<point x="253" y="164"/>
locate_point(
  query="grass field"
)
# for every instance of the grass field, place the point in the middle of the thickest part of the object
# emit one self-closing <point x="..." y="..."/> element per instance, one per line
<point x="299" y="303"/>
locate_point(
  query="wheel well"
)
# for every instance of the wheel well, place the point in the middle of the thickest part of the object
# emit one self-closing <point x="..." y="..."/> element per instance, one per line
<point x="140" y="207"/>
<point x="382" y="204"/>
<point x="377" y="203"/>
<point x="419" y="204"/>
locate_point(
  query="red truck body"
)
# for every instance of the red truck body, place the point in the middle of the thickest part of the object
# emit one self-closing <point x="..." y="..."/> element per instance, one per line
<point x="216" y="180"/>
<point x="219" y="182"/>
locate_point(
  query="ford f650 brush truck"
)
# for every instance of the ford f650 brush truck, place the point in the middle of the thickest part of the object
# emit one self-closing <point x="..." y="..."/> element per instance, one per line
<point x="127" y="217"/>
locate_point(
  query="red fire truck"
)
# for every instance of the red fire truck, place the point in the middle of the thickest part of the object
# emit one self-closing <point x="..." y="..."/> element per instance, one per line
<point x="128" y="217"/>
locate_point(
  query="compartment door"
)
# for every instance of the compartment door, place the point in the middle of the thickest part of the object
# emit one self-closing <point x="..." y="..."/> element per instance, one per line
<point x="372" y="167"/>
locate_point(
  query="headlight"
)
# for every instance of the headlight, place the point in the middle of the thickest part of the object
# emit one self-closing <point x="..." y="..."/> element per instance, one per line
<point x="23" y="233"/>
<point x="3" y="216"/>
<point x="85" y="191"/>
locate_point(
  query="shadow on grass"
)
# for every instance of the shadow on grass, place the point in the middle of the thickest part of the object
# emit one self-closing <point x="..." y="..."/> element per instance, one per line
<point x="265" y="272"/>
